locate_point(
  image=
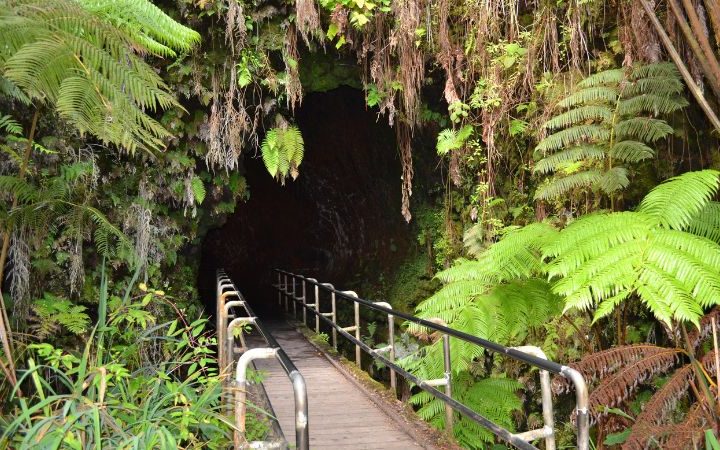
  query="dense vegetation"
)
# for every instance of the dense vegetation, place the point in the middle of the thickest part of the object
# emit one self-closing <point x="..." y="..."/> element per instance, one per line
<point x="572" y="201"/>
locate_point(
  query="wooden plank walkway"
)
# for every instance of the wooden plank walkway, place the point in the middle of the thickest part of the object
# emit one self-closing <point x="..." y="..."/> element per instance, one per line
<point x="341" y="416"/>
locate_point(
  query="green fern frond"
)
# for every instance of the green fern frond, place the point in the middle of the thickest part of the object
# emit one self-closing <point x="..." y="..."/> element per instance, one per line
<point x="655" y="70"/>
<point x="198" y="189"/>
<point x="611" y="77"/>
<point x="642" y="128"/>
<point x="613" y="180"/>
<point x="573" y="136"/>
<point x="707" y="222"/>
<point x="66" y="56"/>
<point x="597" y="94"/>
<point x="146" y="24"/>
<point x="678" y="200"/>
<point x="668" y="85"/>
<point x="561" y="186"/>
<point x="10" y="125"/>
<point x="568" y="156"/>
<point x="631" y="151"/>
<point x="283" y="150"/>
<point x="655" y="104"/>
<point x="578" y="115"/>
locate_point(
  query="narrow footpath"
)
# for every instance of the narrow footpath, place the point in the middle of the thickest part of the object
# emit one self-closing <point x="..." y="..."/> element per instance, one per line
<point x="341" y="416"/>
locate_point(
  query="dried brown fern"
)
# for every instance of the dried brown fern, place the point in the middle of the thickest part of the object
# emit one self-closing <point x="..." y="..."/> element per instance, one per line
<point x="616" y="389"/>
<point x="602" y="364"/>
<point x="697" y="335"/>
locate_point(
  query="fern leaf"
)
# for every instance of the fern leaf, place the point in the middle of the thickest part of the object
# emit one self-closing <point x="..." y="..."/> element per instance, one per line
<point x="10" y="125"/>
<point x="643" y="129"/>
<point x="580" y="114"/>
<point x="677" y="201"/>
<point x="631" y="151"/>
<point x="563" y="158"/>
<point x="596" y="94"/>
<point x="198" y="189"/>
<point x="610" y="77"/>
<point x="706" y="223"/>
<point x="613" y="180"/>
<point x="574" y="135"/>
<point x="562" y="186"/>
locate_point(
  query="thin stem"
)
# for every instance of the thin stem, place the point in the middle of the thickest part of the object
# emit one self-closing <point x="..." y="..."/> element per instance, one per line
<point x="710" y="75"/>
<point x="672" y="51"/>
<point x="5" y="330"/>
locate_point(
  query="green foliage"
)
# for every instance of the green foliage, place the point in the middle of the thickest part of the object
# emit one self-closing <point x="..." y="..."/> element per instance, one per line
<point x="282" y="152"/>
<point x="81" y="59"/>
<point x="102" y="397"/>
<point x="607" y="123"/>
<point x="449" y="139"/>
<point x="495" y="398"/>
<point x="57" y="201"/>
<point x="54" y="311"/>
<point x="601" y="260"/>
<point x="146" y="24"/>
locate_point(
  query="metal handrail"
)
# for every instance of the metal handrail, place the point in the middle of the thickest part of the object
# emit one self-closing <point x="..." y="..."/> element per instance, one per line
<point x="522" y="354"/>
<point x="226" y="358"/>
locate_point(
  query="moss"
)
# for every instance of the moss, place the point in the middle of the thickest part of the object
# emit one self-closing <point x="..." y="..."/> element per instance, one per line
<point x="321" y="72"/>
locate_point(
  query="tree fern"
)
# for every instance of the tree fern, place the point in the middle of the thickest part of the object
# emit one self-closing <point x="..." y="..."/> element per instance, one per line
<point x="282" y="152"/>
<point x="498" y="297"/>
<point x="80" y="58"/>
<point x="601" y="260"/>
<point x="606" y="123"/>
<point x="495" y="398"/>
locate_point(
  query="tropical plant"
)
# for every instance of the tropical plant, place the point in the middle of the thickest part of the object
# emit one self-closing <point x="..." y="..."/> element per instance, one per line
<point x="678" y="412"/>
<point x="135" y="384"/>
<point x="602" y="260"/>
<point x="607" y="122"/>
<point x="499" y="297"/>
<point x="282" y="152"/>
<point x="82" y="59"/>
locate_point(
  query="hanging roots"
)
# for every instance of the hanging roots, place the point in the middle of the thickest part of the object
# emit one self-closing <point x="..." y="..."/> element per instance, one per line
<point x="404" y="140"/>
<point x="408" y="15"/>
<point x="235" y="33"/>
<point x="19" y="258"/>
<point x="291" y="58"/>
<point x="308" y="21"/>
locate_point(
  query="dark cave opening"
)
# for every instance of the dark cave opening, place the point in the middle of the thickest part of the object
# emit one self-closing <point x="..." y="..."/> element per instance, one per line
<point x="340" y="217"/>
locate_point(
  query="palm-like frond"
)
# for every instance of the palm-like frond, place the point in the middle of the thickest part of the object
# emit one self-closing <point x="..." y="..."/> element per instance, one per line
<point x="146" y="24"/>
<point x="677" y="201"/>
<point x="80" y="58"/>
<point x="606" y="121"/>
<point x="282" y="151"/>
<point x="602" y="259"/>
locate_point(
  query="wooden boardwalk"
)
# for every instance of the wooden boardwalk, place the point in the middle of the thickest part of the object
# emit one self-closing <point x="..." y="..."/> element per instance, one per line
<point x="341" y="416"/>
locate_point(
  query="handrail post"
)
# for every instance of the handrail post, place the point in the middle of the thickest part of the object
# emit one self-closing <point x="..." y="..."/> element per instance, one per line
<point x="286" y="290"/>
<point x="230" y="337"/>
<point x="304" y="290"/>
<point x="357" y="334"/>
<point x="220" y="331"/>
<point x="294" y="299"/>
<point x="317" y="309"/>
<point x="240" y="387"/>
<point x="448" y="384"/>
<point x="278" y="288"/>
<point x="391" y="342"/>
<point x="548" y="430"/>
<point x="334" y="319"/>
<point x="302" y="432"/>
<point x="581" y="407"/>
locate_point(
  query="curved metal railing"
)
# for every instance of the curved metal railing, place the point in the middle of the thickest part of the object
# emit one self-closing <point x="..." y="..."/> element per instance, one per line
<point x="288" y="284"/>
<point x="232" y="311"/>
